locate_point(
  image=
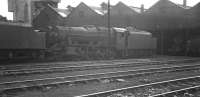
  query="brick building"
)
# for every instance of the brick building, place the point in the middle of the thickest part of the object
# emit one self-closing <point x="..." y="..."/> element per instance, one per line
<point x="122" y="15"/>
<point x="83" y="15"/>
<point x="50" y="17"/>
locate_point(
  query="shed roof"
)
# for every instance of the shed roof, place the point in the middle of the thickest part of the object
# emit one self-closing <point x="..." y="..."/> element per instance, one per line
<point x="137" y="9"/>
<point x="98" y="10"/>
<point x="119" y="29"/>
<point x="83" y="7"/>
<point x="166" y="5"/>
<point x="132" y="31"/>
<point x="195" y="7"/>
<point x="120" y="5"/>
<point x="61" y="12"/>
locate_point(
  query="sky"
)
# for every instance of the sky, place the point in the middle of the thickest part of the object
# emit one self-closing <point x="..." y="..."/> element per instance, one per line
<point x="64" y="3"/>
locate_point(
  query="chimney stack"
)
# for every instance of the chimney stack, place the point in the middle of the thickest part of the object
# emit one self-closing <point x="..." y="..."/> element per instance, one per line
<point x="184" y="3"/>
<point x="142" y="8"/>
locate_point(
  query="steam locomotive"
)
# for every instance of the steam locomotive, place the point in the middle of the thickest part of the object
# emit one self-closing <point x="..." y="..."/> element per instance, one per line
<point x="85" y="42"/>
<point x="90" y="42"/>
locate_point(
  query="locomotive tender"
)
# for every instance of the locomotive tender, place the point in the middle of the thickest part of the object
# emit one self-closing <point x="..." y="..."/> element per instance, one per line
<point x="19" y="41"/>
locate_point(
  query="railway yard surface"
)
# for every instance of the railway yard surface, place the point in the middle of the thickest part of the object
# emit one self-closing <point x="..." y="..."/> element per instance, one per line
<point x="163" y="76"/>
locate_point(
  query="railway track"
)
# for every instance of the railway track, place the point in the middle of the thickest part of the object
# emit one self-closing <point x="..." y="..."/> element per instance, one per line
<point x="185" y="92"/>
<point x="64" y="64"/>
<point x="40" y="83"/>
<point x="87" y="67"/>
<point x="169" y="88"/>
<point x="35" y="65"/>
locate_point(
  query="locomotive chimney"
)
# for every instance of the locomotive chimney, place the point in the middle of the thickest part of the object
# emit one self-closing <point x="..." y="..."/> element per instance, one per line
<point x="184" y="3"/>
<point x="142" y="8"/>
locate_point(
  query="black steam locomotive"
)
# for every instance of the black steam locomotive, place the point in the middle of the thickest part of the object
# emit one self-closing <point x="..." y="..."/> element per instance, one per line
<point x="90" y="42"/>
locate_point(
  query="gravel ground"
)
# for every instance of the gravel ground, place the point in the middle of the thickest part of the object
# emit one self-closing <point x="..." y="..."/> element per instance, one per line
<point x="91" y="87"/>
<point x="197" y="94"/>
<point x="74" y="73"/>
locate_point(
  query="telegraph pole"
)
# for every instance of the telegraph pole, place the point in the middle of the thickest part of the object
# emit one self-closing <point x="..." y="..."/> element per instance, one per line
<point x="109" y="15"/>
<point x="109" y="30"/>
